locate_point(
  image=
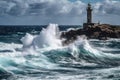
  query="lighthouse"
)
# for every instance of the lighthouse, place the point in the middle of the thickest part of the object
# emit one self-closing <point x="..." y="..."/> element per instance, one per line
<point x="89" y="17"/>
<point x="89" y="13"/>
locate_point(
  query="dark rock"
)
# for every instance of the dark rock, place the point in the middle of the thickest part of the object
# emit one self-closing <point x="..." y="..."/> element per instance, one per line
<point x="101" y="31"/>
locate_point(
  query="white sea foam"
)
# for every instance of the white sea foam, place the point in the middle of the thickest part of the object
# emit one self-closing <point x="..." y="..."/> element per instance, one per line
<point x="48" y="37"/>
<point x="27" y="40"/>
<point x="46" y="51"/>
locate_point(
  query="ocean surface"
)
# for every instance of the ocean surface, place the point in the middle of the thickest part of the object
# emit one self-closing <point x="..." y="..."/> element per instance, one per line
<point x="39" y="55"/>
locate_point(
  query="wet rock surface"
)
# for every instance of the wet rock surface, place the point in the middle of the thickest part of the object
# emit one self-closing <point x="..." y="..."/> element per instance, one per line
<point x="101" y="31"/>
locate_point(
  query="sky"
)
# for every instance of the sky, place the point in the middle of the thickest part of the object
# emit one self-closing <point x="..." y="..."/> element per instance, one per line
<point x="62" y="12"/>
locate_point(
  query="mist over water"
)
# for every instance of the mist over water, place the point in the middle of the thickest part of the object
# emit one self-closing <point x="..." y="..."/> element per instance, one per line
<point x="43" y="57"/>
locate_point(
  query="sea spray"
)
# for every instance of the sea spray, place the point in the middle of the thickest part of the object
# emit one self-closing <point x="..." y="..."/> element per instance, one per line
<point x="27" y="40"/>
<point x="44" y="57"/>
<point x="48" y="37"/>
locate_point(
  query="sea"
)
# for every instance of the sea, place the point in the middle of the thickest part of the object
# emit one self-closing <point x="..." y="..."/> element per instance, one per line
<point x="37" y="53"/>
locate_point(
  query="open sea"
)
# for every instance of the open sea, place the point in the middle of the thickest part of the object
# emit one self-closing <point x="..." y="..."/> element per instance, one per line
<point x="37" y="53"/>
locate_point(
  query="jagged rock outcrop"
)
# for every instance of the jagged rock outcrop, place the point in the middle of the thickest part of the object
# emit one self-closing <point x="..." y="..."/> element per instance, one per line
<point x="102" y="32"/>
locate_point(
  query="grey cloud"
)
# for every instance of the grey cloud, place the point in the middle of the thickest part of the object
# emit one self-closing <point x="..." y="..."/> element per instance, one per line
<point x="55" y="7"/>
<point x="56" y="11"/>
<point x="108" y="7"/>
<point x="12" y="7"/>
<point x="45" y="7"/>
<point x="3" y="7"/>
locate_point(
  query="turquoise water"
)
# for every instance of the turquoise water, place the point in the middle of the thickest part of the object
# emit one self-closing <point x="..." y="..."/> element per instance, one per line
<point x="39" y="57"/>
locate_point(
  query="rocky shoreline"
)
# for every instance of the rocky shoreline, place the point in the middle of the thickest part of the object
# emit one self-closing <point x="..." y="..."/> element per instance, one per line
<point x="101" y="32"/>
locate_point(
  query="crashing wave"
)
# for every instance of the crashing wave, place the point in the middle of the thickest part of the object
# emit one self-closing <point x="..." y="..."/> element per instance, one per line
<point x="46" y="51"/>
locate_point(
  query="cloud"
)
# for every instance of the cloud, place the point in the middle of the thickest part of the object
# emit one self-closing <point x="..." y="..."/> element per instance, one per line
<point x="55" y="7"/>
<point x="58" y="11"/>
<point x="108" y="7"/>
<point x="12" y="7"/>
<point x="40" y="7"/>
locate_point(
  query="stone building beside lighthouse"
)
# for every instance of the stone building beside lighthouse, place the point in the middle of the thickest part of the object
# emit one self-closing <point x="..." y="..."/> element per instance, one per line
<point x="89" y="22"/>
